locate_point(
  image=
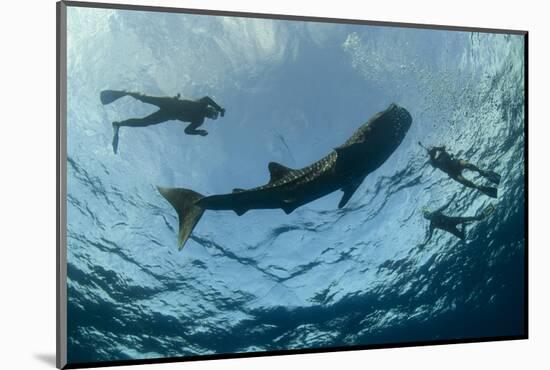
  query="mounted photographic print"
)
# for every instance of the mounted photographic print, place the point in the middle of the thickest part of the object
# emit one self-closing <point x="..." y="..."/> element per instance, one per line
<point x="235" y="184"/>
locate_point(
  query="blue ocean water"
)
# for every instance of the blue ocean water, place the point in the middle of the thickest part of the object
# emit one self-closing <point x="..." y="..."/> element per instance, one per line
<point x="321" y="276"/>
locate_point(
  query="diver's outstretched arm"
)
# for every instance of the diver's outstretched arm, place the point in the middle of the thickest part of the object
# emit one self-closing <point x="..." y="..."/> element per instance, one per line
<point x="191" y="129"/>
<point x="422" y="146"/>
<point x="208" y="100"/>
<point x="431" y="148"/>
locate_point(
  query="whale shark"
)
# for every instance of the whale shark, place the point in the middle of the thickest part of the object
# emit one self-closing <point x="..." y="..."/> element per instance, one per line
<point x="344" y="168"/>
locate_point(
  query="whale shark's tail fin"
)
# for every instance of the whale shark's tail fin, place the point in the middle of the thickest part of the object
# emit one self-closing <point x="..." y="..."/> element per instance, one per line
<point x="109" y="96"/>
<point x="189" y="213"/>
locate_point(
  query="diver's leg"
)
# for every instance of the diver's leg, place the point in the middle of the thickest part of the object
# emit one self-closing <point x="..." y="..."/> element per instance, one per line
<point x="159" y="101"/>
<point x="456" y="232"/>
<point x="152" y="119"/>
<point x="461" y="179"/>
<point x="484" y="214"/>
<point x="191" y="129"/>
<point x="489" y="175"/>
<point x="462" y="220"/>
<point x="468" y="166"/>
<point x="492" y="192"/>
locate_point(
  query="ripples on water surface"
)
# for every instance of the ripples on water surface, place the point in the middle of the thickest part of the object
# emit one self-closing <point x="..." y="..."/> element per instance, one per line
<point x="320" y="276"/>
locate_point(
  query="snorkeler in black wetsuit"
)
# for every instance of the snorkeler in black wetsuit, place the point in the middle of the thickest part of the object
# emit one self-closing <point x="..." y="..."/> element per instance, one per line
<point x="439" y="221"/>
<point x="170" y="108"/>
<point x="440" y="158"/>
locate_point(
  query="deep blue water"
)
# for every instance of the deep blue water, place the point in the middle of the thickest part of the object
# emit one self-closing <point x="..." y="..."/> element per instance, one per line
<point x="320" y="277"/>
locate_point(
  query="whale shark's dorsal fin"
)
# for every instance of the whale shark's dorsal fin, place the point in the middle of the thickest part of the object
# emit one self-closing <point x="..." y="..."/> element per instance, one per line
<point x="277" y="171"/>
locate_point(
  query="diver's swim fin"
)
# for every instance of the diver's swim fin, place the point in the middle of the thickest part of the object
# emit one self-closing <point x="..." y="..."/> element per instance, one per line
<point x="492" y="192"/>
<point x="492" y="176"/>
<point x="109" y="96"/>
<point x="115" y="137"/>
<point x="189" y="213"/>
<point x="349" y="190"/>
<point x="488" y="210"/>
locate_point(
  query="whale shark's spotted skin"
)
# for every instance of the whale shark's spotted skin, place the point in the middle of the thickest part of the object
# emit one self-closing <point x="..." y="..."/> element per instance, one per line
<point x="303" y="175"/>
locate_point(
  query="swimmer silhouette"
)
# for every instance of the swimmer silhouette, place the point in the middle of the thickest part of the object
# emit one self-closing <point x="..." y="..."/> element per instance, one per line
<point x="170" y="108"/>
<point x="446" y="223"/>
<point x="440" y="158"/>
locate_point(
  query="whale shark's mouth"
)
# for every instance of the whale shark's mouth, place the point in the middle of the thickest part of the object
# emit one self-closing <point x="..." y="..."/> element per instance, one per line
<point x="402" y="116"/>
<point x="405" y="117"/>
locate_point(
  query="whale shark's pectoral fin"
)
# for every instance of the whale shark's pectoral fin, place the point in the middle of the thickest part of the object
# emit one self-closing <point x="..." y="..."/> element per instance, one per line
<point x="349" y="190"/>
<point x="239" y="211"/>
<point x="277" y="171"/>
<point x="288" y="208"/>
<point x="289" y="205"/>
